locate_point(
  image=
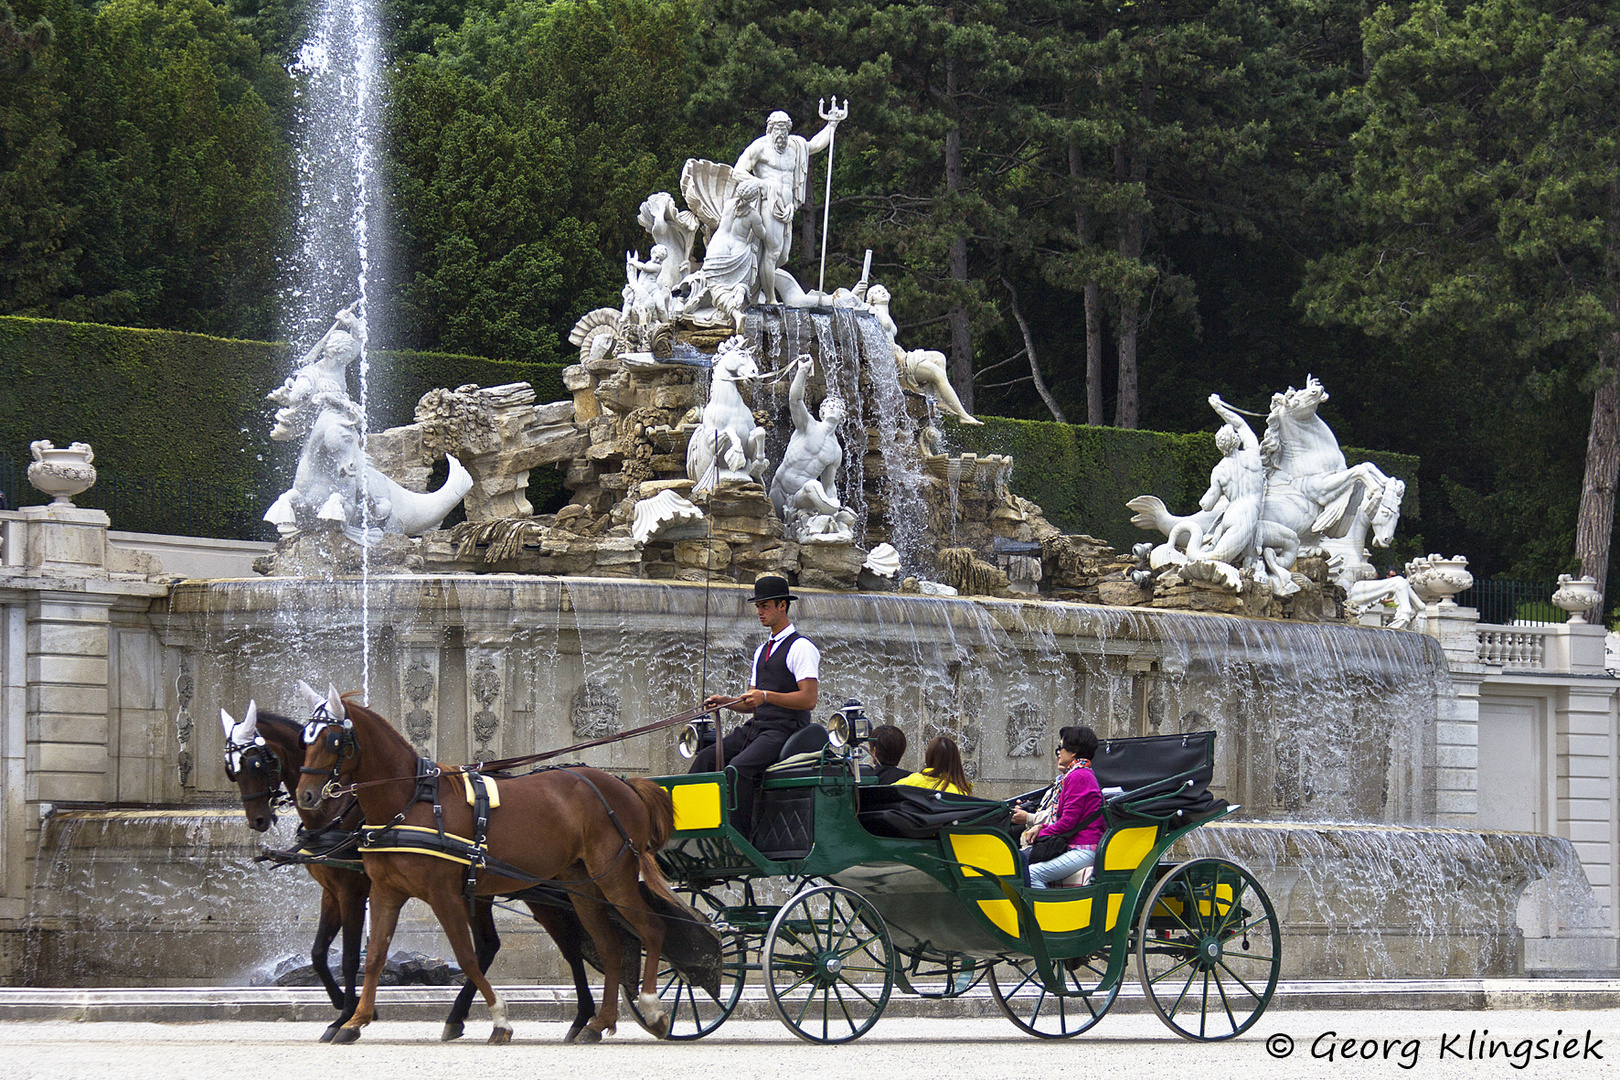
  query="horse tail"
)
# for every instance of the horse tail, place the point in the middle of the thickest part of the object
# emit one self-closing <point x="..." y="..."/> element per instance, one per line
<point x="660" y="808"/>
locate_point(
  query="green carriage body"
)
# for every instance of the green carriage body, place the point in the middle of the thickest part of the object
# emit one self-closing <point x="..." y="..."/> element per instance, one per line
<point x="956" y="903"/>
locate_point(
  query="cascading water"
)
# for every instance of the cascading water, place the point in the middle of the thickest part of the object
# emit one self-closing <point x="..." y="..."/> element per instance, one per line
<point x="337" y="125"/>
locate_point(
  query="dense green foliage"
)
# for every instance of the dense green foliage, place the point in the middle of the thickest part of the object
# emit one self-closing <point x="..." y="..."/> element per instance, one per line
<point x="1407" y="200"/>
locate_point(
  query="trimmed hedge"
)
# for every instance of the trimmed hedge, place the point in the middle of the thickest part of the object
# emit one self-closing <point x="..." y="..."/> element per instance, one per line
<point x="181" y="427"/>
<point x="1082" y="476"/>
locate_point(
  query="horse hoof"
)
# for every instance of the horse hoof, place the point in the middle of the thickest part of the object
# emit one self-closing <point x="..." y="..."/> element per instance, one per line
<point x="588" y="1035"/>
<point x="345" y="1035"/>
<point x="573" y="1033"/>
<point x="500" y="1036"/>
<point x="329" y="1033"/>
<point x="451" y="1033"/>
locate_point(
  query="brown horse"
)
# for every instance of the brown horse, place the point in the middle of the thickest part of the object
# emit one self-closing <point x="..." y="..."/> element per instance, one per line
<point x="262" y="753"/>
<point x="587" y="831"/>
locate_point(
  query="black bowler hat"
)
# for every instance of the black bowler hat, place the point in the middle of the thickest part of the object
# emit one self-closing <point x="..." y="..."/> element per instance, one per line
<point x="771" y="587"/>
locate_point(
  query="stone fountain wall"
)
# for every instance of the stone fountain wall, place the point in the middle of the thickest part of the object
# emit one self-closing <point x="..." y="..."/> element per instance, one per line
<point x="1316" y="723"/>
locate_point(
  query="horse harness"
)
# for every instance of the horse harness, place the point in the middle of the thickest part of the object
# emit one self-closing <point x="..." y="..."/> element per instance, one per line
<point x="483" y="795"/>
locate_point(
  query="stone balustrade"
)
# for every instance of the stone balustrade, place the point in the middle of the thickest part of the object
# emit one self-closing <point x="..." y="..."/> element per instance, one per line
<point x="1519" y="647"/>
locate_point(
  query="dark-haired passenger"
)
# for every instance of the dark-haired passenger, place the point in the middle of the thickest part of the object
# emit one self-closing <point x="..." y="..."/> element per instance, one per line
<point x="1079" y="801"/>
<point x="886" y="746"/>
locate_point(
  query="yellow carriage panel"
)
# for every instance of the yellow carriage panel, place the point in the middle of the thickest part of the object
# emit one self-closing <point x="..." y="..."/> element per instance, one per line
<point x="984" y="851"/>
<point x="1128" y="847"/>
<point x="1003" y="914"/>
<point x="1062" y="916"/>
<point x="697" y="806"/>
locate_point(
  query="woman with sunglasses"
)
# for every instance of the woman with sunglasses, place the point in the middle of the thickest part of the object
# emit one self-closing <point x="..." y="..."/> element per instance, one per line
<point x="1079" y="809"/>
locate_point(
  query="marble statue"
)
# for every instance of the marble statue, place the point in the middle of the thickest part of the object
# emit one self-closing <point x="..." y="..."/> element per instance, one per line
<point x="672" y="229"/>
<point x="335" y="481"/>
<point x="728" y="444"/>
<point x="780" y="161"/>
<point x="323" y="370"/>
<point x="1274" y="499"/>
<point x="804" y="489"/>
<point x="646" y="297"/>
<point x="661" y="513"/>
<point x="922" y="370"/>
<point x="723" y="288"/>
<point x="1394" y="593"/>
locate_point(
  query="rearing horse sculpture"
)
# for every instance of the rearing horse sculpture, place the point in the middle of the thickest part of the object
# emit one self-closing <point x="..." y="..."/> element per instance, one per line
<point x="585" y="831"/>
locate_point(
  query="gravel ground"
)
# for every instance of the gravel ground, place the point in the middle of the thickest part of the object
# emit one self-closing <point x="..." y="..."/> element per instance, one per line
<point x="1134" y="1046"/>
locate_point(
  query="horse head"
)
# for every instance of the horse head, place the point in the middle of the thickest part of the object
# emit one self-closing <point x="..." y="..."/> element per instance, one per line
<point x="328" y="746"/>
<point x="734" y="362"/>
<point x="252" y="766"/>
<point x="1387" y="514"/>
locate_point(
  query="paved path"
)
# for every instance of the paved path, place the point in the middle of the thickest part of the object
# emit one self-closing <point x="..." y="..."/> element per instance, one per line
<point x="1130" y="1047"/>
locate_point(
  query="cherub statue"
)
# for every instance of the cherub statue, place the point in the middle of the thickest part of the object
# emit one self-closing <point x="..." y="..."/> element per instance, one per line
<point x="646" y="297"/>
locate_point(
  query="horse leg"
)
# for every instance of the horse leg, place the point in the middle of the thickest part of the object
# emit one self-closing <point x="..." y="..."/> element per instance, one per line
<point x="325" y="930"/>
<point x="385" y="905"/>
<point x="567" y="931"/>
<point x="451" y="909"/>
<point x="487" y="941"/>
<point x="352" y="890"/>
<point x="594" y="917"/>
<point x="649" y="927"/>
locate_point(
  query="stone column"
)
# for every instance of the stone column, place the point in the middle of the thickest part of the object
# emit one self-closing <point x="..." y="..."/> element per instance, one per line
<point x="1456" y="781"/>
<point x="1584" y="801"/>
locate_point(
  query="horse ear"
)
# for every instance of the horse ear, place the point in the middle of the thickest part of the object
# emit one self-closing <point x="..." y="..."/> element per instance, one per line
<point x="315" y="700"/>
<point x="250" y="722"/>
<point x="334" y="705"/>
<point x="227" y="723"/>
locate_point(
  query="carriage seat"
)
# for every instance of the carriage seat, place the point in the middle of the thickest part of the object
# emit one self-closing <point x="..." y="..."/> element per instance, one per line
<point x="918" y="814"/>
<point x="802" y="748"/>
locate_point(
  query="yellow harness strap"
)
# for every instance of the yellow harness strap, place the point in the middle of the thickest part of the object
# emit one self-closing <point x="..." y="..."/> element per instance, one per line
<point x="467" y="781"/>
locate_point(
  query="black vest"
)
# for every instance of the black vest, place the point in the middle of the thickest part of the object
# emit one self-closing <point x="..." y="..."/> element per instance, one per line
<point x="772" y="674"/>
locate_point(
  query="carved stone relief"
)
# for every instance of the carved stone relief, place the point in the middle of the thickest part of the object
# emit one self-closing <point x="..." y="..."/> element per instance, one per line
<point x="184" y="686"/>
<point x="596" y="711"/>
<point x="418" y="689"/>
<point x="1023" y="730"/>
<point x="486" y="687"/>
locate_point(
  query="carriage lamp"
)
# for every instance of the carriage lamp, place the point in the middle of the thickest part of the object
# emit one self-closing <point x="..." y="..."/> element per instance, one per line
<point x="694" y="737"/>
<point x="849" y="725"/>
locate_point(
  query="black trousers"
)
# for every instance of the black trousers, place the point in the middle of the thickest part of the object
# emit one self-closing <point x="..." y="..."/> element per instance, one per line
<point x="750" y="751"/>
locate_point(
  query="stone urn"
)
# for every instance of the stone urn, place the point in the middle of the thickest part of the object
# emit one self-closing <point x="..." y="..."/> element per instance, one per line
<point x="1576" y="596"/>
<point x="61" y="471"/>
<point x="1438" y="579"/>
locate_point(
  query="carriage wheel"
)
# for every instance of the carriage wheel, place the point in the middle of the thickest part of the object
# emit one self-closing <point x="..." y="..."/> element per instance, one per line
<point x="1208" y="949"/>
<point x="692" y="1012"/>
<point x="829" y="966"/>
<point x="1023" y="999"/>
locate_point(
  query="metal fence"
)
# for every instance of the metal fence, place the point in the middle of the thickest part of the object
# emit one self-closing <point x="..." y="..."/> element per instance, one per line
<point x="208" y="508"/>
<point x="1514" y="603"/>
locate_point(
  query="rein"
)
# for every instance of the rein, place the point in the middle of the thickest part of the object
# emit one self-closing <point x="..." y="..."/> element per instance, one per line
<point x="334" y="790"/>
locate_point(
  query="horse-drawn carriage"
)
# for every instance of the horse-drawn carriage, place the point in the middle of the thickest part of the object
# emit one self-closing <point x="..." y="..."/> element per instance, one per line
<point x="925" y="892"/>
<point x="886" y="886"/>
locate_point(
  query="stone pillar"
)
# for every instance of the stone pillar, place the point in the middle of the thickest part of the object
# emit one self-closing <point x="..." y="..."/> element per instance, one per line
<point x="1584" y="800"/>
<point x="1456" y="782"/>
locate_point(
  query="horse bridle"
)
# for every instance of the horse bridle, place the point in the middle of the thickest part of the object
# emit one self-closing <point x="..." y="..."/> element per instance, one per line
<point x="241" y="757"/>
<point x="319" y="727"/>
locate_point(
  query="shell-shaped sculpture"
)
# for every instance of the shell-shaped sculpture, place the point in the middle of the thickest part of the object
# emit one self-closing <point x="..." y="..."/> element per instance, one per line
<point x="883" y="560"/>
<point x="663" y="511"/>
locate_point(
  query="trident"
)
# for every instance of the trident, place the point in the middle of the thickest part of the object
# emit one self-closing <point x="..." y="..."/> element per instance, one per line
<point x="832" y="116"/>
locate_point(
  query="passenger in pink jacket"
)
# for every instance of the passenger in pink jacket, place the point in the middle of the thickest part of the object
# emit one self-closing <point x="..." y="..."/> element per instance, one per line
<point x="1079" y="800"/>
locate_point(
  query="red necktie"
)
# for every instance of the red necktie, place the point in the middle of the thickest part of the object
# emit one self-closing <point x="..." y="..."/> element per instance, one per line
<point x="768" y="643"/>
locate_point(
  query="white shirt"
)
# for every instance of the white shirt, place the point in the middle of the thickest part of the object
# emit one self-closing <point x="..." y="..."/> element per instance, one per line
<point x="803" y="658"/>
